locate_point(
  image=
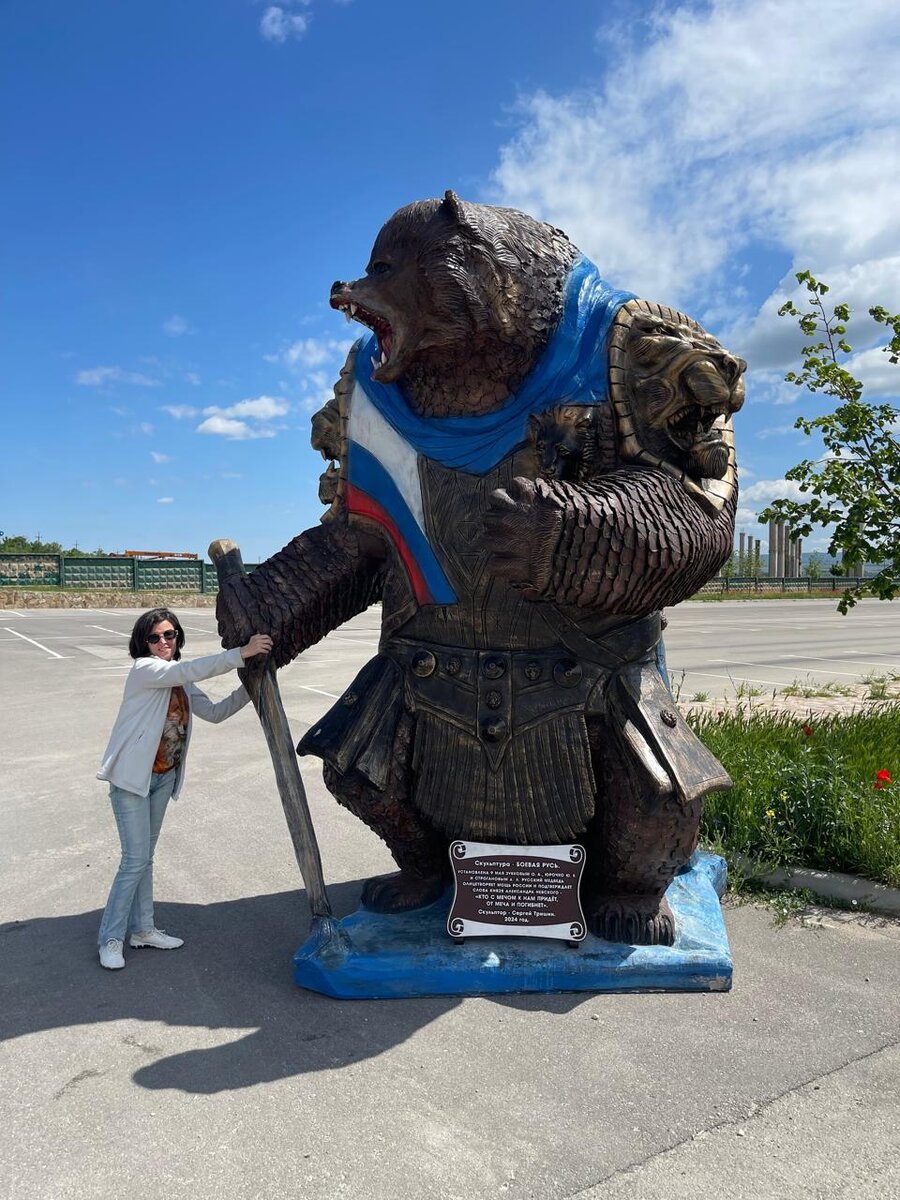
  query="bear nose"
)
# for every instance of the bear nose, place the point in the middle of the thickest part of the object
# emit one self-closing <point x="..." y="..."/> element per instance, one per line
<point x="337" y="286"/>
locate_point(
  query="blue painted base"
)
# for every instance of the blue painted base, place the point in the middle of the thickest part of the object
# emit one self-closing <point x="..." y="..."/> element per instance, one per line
<point x="369" y="956"/>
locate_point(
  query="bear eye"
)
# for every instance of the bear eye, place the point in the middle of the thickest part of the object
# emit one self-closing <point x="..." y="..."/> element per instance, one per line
<point x="379" y="268"/>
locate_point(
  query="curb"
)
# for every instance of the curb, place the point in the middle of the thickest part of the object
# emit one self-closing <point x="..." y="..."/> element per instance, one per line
<point x="831" y="885"/>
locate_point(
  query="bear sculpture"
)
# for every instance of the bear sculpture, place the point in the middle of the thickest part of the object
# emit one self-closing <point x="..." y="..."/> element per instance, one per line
<point x="525" y="467"/>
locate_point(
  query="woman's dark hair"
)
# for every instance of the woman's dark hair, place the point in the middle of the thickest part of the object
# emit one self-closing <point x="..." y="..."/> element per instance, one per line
<point x="139" y="647"/>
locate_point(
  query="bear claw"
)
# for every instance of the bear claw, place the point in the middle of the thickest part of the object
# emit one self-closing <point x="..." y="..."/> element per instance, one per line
<point x="399" y="892"/>
<point x="633" y="920"/>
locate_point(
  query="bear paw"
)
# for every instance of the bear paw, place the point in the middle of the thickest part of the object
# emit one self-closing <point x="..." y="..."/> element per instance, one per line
<point x="400" y="891"/>
<point x="633" y="920"/>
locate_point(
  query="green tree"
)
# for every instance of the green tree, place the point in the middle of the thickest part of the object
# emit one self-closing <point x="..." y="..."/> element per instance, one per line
<point x="814" y="565"/>
<point x="854" y="488"/>
<point x="19" y="544"/>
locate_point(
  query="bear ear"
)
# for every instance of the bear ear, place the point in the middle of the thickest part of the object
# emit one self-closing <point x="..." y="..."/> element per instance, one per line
<point x="452" y="206"/>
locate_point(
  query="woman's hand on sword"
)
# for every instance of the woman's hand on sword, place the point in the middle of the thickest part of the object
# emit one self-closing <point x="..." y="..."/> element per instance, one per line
<point x="260" y="643"/>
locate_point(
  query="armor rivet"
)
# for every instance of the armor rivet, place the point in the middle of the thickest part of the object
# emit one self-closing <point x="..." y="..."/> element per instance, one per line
<point x="453" y="665"/>
<point x="350" y="698"/>
<point x="532" y="671"/>
<point x="668" y="717"/>
<point x="567" y="672"/>
<point x="494" y="668"/>
<point x="424" y="664"/>
<point x="493" y="729"/>
<point x="493" y="699"/>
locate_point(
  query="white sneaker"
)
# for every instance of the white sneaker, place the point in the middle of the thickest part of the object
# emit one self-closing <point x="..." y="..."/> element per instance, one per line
<point x="111" y="955"/>
<point x="158" y="938"/>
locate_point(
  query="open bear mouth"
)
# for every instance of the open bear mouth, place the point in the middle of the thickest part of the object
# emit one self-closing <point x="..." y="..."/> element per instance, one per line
<point x="693" y="425"/>
<point x="379" y="326"/>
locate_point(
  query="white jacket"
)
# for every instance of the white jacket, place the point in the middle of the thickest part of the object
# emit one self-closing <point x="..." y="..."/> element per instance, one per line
<point x="129" y="757"/>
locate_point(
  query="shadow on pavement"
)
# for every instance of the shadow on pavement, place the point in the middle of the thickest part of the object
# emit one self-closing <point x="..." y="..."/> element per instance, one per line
<point x="234" y="972"/>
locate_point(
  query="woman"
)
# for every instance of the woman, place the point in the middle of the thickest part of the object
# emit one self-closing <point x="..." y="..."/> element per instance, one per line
<point x="144" y="764"/>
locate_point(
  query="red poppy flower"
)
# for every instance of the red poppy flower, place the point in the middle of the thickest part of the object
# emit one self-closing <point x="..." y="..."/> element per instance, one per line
<point x="807" y="729"/>
<point x="882" y="778"/>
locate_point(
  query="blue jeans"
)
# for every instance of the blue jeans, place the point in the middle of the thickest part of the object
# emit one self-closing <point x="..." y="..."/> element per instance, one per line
<point x="139" y="819"/>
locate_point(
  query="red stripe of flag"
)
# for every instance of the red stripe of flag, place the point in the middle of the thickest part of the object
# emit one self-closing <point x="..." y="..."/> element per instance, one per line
<point x="364" y="506"/>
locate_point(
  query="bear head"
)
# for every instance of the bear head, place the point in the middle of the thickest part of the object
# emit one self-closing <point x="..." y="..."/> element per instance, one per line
<point x="462" y="297"/>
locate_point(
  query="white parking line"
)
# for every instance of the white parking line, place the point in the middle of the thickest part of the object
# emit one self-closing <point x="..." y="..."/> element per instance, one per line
<point x="318" y="691"/>
<point x="801" y="658"/>
<point x="14" y="613"/>
<point x="673" y="672"/>
<point x="864" y="662"/>
<point x="67" y="637"/>
<point x="52" y="653"/>
<point x="117" y="632"/>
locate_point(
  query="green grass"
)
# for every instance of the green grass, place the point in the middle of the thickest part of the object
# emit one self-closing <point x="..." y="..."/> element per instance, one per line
<point x="807" y="800"/>
<point x="717" y="597"/>
<point x="809" y="689"/>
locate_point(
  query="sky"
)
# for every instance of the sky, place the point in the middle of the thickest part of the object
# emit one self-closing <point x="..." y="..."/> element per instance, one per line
<point x="184" y="179"/>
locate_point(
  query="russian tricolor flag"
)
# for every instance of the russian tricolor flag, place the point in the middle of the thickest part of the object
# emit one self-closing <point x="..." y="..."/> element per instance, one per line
<point x="383" y="485"/>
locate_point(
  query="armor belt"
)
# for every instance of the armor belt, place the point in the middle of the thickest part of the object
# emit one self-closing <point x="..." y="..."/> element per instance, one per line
<point x="501" y="750"/>
<point x="492" y="694"/>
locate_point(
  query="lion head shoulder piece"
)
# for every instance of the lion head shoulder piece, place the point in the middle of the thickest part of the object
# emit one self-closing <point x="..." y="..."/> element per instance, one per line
<point x="674" y="390"/>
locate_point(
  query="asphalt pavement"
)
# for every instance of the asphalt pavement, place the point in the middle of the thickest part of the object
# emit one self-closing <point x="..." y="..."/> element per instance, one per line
<point x="206" y="1072"/>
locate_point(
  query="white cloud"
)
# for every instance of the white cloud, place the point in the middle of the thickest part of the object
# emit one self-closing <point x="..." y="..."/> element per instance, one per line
<point x="277" y="25"/>
<point x="175" y="326"/>
<point x="307" y="354"/>
<point x="146" y="428"/>
<point x="262" y="408"/>
<point x="192" y="378"/>
<point x="772" y="342"/>
<point x="180" y="411"/>
<point x="774" y="431"/>
<point x="101" y="376"/>
<point x="766" y="490"/>
<point x="159" y="458"/>
<point x="165" y="500"/>
<point x="726" y="125"/>
<point x="238" y="431"/>
<point x="746" y="521"/>
<point x="879" y="376"/>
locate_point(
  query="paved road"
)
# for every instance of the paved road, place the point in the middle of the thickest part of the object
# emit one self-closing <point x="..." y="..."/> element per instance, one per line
<point x="771" y="643"/>
<point x="712" y="647"/>
<point x="205" y="1072"/>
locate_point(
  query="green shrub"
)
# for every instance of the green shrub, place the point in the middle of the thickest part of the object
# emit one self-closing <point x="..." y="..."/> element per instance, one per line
<point x="808" y="792"/>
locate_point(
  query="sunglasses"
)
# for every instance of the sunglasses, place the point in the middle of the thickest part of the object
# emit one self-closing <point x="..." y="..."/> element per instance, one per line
<point x="169" y="634"/>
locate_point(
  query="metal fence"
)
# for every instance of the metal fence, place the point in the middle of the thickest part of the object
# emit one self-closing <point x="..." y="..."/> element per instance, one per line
<point x="194" y="575"/>
<point x="750" y="584"/>
<point x="109" y="574"/>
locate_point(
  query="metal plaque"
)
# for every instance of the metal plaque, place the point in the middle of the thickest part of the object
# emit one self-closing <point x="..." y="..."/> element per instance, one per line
<point x="516" y="891"/>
